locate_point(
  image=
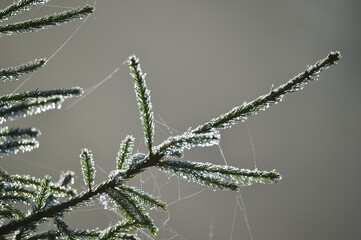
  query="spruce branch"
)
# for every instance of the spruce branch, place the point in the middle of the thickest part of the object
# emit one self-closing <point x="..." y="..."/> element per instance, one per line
<point x="241" y="113"/>
<point x="26" y="180"/>
<point x="55" y="209"/>
<point x="124" y="207"/>
<point x="238" y="176"/>
<point x="15" y="146"/>
<point x="8" y="211"/>
<point x="14" y="193"/>
<point x="126" y="147"/>
<point x="31" y="95"/>
<point x="200" y="177"/>
<point x="142" y="217"/>
<point x="88" y="168"/>
<point x="143" y="99"/>
<point x="23" y="109"/>
<point x="43" y="191"/>
<point x="15" y="72"/>
<point x="64" y="228"/>
<point x="18" y="7"/>
<point x="174" y="146"/>
<point x="136" y="161"/>
<point x="16" y="189"/>
<point x="130" y="200"/>
<point x="15" y="133"/>
<point x="14" y="140"/>
<point x="47" y="21"/>
<point x="144" y="198"/>
<point x="114" y="232"/>
<point x="132" y="209"/>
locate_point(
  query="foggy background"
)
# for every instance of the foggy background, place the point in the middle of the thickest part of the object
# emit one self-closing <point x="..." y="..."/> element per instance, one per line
<point x="202" y="58"/>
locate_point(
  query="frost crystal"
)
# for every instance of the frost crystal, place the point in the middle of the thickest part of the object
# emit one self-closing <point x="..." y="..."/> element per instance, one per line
<point x="104" y="201"/>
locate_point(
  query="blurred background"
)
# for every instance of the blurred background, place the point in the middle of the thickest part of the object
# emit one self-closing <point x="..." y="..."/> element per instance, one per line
<point x="203" y="57"/>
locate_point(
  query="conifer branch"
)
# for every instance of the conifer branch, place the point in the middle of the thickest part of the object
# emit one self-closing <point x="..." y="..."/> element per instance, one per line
<point x="15" y="72"/>
<point x="17" y="189"/>
<point x="43" y="191"/>
<point x="88" y="168"/>
<point x="8" y="211"/>
<point x="64" y="228"/>
<point x="15" y="133"/>
<point x="131" y="208"/>
<point x="15" y="146"/>
<point x="142" y="216"/>
<point x="135" y="162"/>
<point x="241" y="113"/>
<point x="31" y="95"/>
<point x="238" y="176"/>
<point x="200" y="177"/>
<point x="123" y="206"/>
<point x="13" y="193"/>
<point x="14" y="140"/>
<point x="117" y="231"/>
<point x="47" y="21"/>
<point x="125" y="150"/>
<point x="34" y="182"/>
<point x="55" y="209"/>
<point x="29" y="108"/>
<point x="144" y="198"/>
<point x="130" y="200"/>
<point x="143" y="99"/>
<point x="17" y="7"/>
<point x="174" y="146"/>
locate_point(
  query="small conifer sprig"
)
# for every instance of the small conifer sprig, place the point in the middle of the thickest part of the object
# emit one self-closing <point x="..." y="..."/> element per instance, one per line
<point x="13" y="106"/>
<point x="174" y="146"/>
<point x="229" y="176"/>
<point x="132" y="209"/>
<point x="43" y="191"/>
<point x="35" y="183"/>
<point x="13" y="193"/>
<point x="143" y="98"/>
<point x="15" y="133"/>
<point x="47" y="21"/>
<point x="26" y="108"/>
<point x="88" y="168"/>
<point x="15" y="72"/>
<point x="118" y="230"/>
<point x="126" y="147"/>
<point x="14" y="140"/>
<point x="15" y="146"/>
<point x="18" y="7"/>
<point x="241" y="113"/>
<point x="11" y="99"/>
<point x="143" y="197"/>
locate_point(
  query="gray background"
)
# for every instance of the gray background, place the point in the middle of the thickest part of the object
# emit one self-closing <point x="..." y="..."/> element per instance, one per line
<point x="203" y="58"/>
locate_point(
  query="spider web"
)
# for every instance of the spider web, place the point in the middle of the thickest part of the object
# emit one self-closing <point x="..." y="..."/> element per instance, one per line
<point x="152" y="181"/>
